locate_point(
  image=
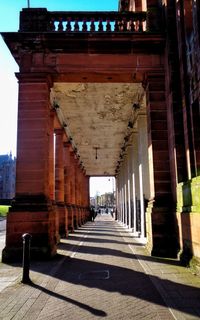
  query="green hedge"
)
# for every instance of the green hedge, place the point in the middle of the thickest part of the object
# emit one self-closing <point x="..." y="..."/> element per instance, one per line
<point x="3" y="211"/>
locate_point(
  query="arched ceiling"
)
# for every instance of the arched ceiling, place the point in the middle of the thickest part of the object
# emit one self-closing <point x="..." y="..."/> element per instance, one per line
<point x="98" y="117"/>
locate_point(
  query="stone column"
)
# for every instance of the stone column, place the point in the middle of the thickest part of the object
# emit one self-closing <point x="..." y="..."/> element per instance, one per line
<point x="68" y="180"/>
<point x="67" y="199"/>
<point x="77" y="191"/>
<point x="122" y="195"/>
<point x="32" y="211"/>
<point x="72" y="188"/>
<point x="121" y="199"/>
<point x="84" y="197"/>
<point x="51" y="157"/>
<point x="135" y="183"/>
<point x="87" y="195"/>
<point x="125" y="195"/>
<point x="137" y="5"/>
<point x="118" y="202"/>
<point x="164" y="236"/>
<point x="154" y="15"/>
<point x="119" y="184"/>
<point x="59" y="180"/>
<point x="79" y="194"/>
<point x="129" y="186"/>
<point x="143" y="176"/>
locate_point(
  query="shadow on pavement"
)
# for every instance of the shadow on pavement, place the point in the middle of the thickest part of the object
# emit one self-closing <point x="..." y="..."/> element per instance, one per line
<point x="94" y="311"/>
<point x="122" y="279"/>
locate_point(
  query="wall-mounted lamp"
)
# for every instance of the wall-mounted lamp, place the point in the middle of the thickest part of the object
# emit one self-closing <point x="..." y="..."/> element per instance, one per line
<point x="136" y="106"/>
<point x="96" y="153"/>
<point x="55" y="105"/>
<point x="70" y="139"/>
<point x="130" y="125"/>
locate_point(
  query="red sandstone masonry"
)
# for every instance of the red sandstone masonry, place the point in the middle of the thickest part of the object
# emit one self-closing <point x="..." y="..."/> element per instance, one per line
<point x="162" y="221"/>
<point x="39" y="225"/>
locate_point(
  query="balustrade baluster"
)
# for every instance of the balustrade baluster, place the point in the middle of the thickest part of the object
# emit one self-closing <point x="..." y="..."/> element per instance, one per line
<point x="124" y="23"/>
<point x="76" y="25"/>
<point x="120" y="24"/>
<point x="52" y="25"/>
<point x="84" y="27"/>
<point x="92" y="26"/>
<point x="132" y="25"/>
<point x="100" y="25"/>
<point x="116" y="27"/>
<point x="68" y="25"/>
<point x="108" y="26"/>
<point x="140" y="29"/>
<point x="60" y="25"/>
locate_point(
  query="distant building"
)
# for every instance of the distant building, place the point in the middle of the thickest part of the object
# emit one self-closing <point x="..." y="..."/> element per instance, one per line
<point x="104" y="200"/>
<point x="7" y="176"/>
<point x="108" y="199"/>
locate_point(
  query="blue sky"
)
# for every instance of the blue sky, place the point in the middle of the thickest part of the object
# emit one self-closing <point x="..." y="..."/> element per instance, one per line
<point x="9" y="21"/>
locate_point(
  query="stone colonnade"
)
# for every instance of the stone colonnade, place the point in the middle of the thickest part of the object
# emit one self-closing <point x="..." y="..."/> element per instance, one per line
<point x="133" y="181"/>
<point x="52" y="188"/>
<point x="144" y="189"/>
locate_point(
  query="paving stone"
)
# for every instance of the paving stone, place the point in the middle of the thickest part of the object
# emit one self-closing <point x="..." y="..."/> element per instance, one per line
<point x="102" y="271"/>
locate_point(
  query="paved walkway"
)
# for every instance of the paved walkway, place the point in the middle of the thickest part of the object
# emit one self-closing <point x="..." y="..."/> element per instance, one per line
<point x="101" y="271"/>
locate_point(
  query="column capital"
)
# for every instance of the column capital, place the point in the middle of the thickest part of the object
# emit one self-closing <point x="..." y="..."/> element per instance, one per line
<point x="35" y="77"/>
<point x="59" y="131"/>
<point x="68" y="146"/>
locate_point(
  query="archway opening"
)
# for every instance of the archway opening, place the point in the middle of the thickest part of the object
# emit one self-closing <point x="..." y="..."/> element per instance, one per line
<point x="103" y="194"/>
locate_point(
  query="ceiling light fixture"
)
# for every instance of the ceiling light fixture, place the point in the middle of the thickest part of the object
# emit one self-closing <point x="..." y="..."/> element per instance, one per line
<point x="130" y="125"/>
<point x="96" y="152"/>
<point x="136" y="106"/>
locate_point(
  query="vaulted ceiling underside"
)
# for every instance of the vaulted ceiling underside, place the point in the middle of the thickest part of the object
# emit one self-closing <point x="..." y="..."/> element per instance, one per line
<point x="98" y="117"/>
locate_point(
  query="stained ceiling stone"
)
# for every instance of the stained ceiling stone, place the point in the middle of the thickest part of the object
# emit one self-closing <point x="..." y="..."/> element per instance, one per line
<point x="97" y="117"/>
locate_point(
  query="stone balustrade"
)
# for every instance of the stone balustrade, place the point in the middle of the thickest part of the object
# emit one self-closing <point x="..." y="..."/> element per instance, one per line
<point x="41" y="20"/>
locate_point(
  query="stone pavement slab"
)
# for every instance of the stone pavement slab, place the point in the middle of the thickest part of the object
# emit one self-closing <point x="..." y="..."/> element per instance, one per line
<point x="102" y="271"/>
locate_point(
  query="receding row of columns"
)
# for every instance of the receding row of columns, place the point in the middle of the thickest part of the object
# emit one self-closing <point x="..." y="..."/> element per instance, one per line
<point x="133" y="184"/>
<point x="71" y="186"/>
<point x="52" y="188"/>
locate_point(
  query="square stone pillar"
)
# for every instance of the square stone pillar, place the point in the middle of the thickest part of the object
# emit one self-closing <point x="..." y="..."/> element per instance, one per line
<point x="87" y="196"/>
<point x="59" y="181"/>
<point x="135" y="183"/>
<point x="72" y="189"/>
<point x="32" y="210"/>
<point x="164" y="225"/>
<point x="154" y="16"/>
<point x="78" y="191"/>
<point x="68" y="181"/>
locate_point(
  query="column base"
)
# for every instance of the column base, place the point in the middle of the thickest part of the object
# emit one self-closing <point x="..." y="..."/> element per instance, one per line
<point x="165" y="248"/>
<point x="75" y="216"/>
<point x="62" y="213"/>
<point x="164" y="237"/>
<point x="70" y="215"/>
<point x="36" y="253"/>
<point x="36" y="216"/>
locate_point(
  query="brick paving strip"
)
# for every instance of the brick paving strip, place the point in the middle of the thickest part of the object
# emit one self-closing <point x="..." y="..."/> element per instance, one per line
<point x="103" y="272"/>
